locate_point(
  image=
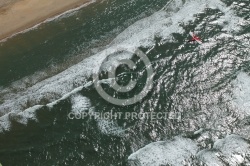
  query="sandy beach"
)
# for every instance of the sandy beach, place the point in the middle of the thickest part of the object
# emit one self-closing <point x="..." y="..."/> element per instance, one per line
<point x="18" y="15"/>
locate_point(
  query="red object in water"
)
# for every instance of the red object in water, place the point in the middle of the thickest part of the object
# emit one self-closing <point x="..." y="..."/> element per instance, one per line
<point x="195" y="38"/>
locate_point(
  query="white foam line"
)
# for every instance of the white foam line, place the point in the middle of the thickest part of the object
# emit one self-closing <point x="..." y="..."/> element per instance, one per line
<point x="29" y="113"/>
<point x="23" y="117"/>
<point x="50" y="105"/>
<point x="49" y="20"/>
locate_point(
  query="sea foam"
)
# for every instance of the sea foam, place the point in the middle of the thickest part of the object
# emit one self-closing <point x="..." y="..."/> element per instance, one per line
<point x="141" y="34"/>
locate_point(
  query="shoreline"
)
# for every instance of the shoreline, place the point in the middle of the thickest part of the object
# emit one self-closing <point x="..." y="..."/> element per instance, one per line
<point x="26" y="14"/>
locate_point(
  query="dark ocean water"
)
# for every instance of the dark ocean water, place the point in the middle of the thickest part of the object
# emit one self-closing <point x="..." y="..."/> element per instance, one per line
<point x="192" y="83"/>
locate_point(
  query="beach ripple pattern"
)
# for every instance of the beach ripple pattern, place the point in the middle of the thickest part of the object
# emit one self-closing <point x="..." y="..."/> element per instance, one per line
<point x="130" y="86"/>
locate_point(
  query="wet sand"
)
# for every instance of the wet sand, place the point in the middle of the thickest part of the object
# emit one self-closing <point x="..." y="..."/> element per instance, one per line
<point x="19" y="15"/>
